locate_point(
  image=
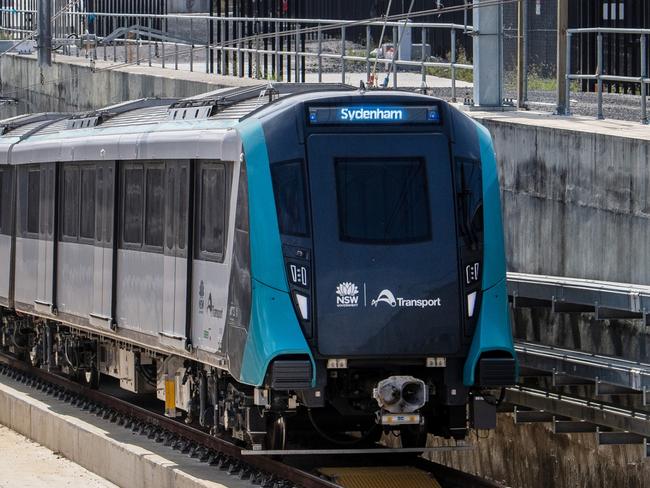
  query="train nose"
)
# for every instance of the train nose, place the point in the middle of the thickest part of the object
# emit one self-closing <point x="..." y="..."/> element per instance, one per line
<point x="401" y="394"/>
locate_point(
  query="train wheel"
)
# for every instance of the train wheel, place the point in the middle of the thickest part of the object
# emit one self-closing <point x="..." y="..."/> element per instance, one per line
<point x="276" y="434"/>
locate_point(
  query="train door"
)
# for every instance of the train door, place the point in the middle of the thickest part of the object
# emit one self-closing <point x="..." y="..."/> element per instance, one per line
<point x="6" y="233"/>
<point x="385" y="250"/>
<point x="101" y="314"/>
<point x="46" y="175"/>
<point x="177" y="206"/>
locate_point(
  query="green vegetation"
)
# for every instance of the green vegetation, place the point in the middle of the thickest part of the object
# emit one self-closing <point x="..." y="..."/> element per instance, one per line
<point x="461" y="74"/>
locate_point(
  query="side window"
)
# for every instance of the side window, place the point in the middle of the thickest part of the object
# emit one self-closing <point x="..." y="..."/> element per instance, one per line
<point x="70" y="198"/>
<point x="290" y="197"/>
<point x="133" y="200"/>
<point x="6" y="197"/>
<point x="182" y="206"/>
<point x="212" y="210"/>
<point x="155" y="207"/>
<point x="33" y="199"/>
<point x="87" y="227"/>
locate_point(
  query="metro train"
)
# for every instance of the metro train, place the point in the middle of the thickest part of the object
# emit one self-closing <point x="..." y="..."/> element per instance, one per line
<point x="265" y="260"/>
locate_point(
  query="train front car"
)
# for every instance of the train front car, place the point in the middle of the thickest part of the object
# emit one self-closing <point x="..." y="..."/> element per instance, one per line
<point x="377" y="266"/>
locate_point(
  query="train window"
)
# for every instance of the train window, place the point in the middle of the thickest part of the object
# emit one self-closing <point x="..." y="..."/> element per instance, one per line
<point x="87" y="228"/>
<point x="212" y="211"/>
<point x="382" y="201"/>
<point x="290" y="197"/>
<point x="154" y="208"/>
<point x="170" y="186"/>
<point x="33" y="199"/>
<point x="70" y="224"/>
<point x="133" y="203"/>
<point x="183" y="204"/>
<point x="107" y="202"/>
<point x="6" y="192"/>
<point x="98" y="203"/>
<point x="5" y="201"/>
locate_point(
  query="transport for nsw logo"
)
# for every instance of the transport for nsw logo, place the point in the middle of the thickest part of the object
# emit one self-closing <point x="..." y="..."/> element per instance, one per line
<point x="347" y="295"/>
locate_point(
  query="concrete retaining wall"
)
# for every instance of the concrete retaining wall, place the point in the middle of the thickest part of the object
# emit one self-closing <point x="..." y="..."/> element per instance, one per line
<point x="575" y="203"/>
<point x="531" y="456"/>
<point x="71" y="84"/>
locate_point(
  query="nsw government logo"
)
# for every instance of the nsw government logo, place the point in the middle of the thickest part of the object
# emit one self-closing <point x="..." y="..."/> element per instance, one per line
<point x="347" y="295"/>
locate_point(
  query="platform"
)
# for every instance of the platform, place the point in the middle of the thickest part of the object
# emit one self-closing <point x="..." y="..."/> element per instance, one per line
<point x="108" y="450"/>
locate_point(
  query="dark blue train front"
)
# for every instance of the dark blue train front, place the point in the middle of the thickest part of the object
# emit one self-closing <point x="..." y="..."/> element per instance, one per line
<point x="377" y="289"/>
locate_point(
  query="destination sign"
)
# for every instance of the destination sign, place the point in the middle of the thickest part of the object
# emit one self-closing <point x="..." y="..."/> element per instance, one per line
<point x="374" y="114"/>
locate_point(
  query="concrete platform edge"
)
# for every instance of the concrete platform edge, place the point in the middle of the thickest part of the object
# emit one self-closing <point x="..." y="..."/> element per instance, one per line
<point x="90" y="446"/>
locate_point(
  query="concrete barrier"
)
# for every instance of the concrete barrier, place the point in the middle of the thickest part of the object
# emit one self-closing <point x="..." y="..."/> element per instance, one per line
<point x="108" y="450"/>
<point x="73" y="84"/>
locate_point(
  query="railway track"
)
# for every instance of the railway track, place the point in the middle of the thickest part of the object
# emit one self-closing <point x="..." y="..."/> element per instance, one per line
<point x="216" y="451"/>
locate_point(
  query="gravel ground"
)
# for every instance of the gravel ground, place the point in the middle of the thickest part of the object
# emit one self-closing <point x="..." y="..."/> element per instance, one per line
<point x="615" y="106"/>
<point x="27" y="464"/>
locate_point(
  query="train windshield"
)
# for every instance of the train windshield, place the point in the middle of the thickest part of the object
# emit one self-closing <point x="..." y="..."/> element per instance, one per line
<point x="382" y="200"/>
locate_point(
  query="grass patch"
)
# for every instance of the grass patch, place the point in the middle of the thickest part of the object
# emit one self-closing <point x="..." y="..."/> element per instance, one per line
<point x="461" y="74"/>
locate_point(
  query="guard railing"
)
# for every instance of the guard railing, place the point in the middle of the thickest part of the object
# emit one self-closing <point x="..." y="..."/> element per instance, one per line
<point x="599" y="76"/>
<point x="258" y="47"/>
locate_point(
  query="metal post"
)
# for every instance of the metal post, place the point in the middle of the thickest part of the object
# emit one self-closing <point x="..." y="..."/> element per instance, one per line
<point x="521" y="75"/>
<point x="567" y="85"/>
<point x="297" y="61"/>
<point x="191" y="45"/>
<point x="562" y="25"/>
<point x="423" y="57"/>
<point x="149" y="40"/>
<point x="162" y="53"/>
<point x="211" y="36"/>
<point x="395" y="55"/>
<point x="224" y="53"/>
<point x="278" y="74"/>
<point x="343" y="54"/>
<point x="240" y="58"/>
<point x="600" y="74"/>
<point x="644" y="75"/>
<point x="368" y="54"/>
<point x="488" y="54"/>
<point x="45" y="33"/>
<point x="320" y="52"/>
<point x="175" y="55"/>
<point x="453" y="65"/>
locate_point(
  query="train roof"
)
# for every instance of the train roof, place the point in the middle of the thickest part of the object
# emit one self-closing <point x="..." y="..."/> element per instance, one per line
<point x="156" y="128"/>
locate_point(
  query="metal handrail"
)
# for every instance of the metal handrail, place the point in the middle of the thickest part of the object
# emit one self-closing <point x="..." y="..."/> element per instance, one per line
<point x="236" y="46"/>
<point x="599" y="77"/>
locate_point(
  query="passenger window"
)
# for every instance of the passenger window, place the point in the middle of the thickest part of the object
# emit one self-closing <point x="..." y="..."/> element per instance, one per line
<point x="183" y="204"/>
<point x="155" y="208"/>
<point x="87" y="203"/>
<point x="4" y="196"/>
<point x="70" y="224"/>
<point x="33" y="199"/>
<point x="100" y="212"/>
<point x="212" y="211"/>
<point x="5" y="201"/>
<point x="170" y="185"/>
<point x="290" y="198"/>
<point x="108" y="204"/>
<point x="382" y="201"/>
<point x="133" y="203"/>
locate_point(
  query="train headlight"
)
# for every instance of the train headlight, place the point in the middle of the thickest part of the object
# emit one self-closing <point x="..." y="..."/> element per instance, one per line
<point x="471" y="303"/>
<point x="303" y="305"/>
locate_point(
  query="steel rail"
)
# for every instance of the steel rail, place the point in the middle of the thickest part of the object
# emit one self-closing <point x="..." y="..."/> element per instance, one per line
<point x="447" y="476"/>
<point x="284" y="471"/>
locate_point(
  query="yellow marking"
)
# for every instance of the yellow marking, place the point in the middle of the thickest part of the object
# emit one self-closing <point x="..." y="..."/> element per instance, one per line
<point x="170" y="396"/>
<point x="378" y="477"/>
